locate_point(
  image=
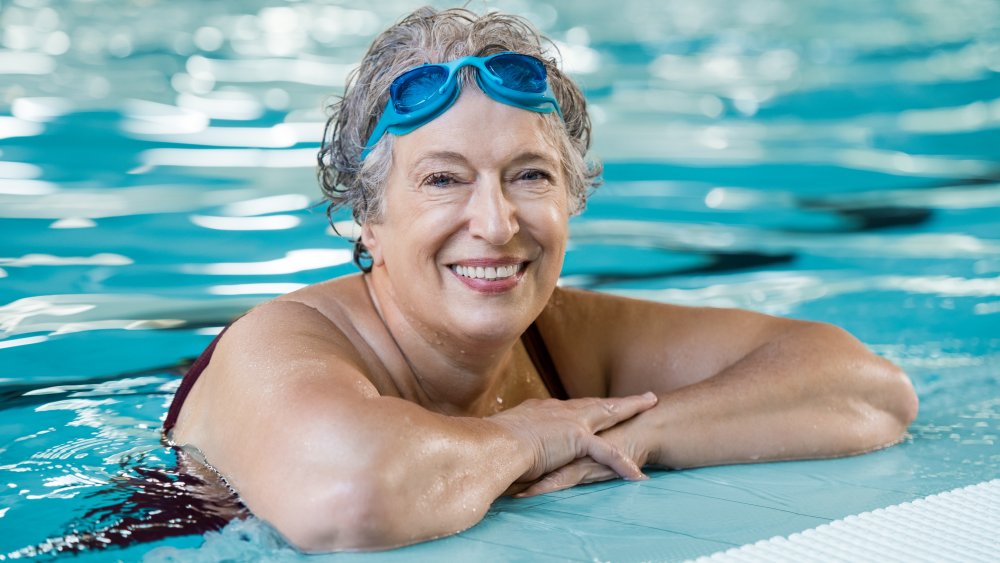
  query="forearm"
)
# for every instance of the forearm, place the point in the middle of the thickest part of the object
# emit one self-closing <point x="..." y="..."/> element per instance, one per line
<point x="404" y="474"/>
<point x="398" y="475"/>
<point x="740" y="387"/>
<point x="445" y="477"/>
<point x="814" y="392"/>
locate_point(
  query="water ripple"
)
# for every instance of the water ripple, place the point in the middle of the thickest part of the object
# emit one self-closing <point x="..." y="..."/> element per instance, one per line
<point x="51" y="313"/>
<point x="709" y="238"/>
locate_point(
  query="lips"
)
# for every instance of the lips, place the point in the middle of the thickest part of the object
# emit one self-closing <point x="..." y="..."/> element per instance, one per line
<point x="487" y="272"/>
<point x="489" y="275"/>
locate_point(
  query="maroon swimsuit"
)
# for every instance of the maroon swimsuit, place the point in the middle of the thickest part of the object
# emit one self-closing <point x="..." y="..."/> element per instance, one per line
<point x="532" y="340"/>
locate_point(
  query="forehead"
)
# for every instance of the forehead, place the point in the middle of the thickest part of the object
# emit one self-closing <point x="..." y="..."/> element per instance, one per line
<point x="481" y="130"/>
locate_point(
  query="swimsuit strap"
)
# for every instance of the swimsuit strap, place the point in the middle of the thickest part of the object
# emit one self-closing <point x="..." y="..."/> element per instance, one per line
<point x="540" y="357"/>
<point x="188" y="382"/>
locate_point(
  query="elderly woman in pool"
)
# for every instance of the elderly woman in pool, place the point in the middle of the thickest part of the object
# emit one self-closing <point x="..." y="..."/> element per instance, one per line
<point x="394" y="406"/>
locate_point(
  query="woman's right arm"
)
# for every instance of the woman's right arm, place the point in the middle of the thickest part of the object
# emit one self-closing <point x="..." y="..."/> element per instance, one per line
<point x="313" y="448"/>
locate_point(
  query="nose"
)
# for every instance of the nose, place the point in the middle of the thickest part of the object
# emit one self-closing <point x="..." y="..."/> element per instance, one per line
<point x="492" y="215"/>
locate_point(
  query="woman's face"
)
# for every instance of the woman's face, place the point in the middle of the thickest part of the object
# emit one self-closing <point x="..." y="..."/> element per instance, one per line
<point x="474" y="229"/>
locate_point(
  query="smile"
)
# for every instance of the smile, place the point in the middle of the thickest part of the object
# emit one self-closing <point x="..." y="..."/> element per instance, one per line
<point x="486" y="273"/>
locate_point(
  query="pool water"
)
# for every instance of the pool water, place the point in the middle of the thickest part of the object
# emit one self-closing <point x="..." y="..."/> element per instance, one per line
<point x="835" y="161"/>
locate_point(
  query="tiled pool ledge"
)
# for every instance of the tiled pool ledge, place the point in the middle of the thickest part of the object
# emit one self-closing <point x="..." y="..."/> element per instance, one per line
<point x="959" y="525"/>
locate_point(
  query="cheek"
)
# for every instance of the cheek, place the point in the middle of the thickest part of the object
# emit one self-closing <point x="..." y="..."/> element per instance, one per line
<point x="417" y="236"/>
<point x="549" y="222"/>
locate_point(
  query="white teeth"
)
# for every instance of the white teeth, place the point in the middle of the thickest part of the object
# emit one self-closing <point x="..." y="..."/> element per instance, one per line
<point x="489" y="273"/>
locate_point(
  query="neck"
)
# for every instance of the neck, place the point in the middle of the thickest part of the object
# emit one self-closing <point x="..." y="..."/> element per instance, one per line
<point x="450" y="373"/>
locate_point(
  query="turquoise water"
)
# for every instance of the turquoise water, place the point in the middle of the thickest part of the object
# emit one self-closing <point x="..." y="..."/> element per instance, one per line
<point x="839" y="162"/>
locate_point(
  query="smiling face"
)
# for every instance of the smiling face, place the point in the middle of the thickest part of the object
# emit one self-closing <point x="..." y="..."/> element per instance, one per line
<point x="474" y="229"/>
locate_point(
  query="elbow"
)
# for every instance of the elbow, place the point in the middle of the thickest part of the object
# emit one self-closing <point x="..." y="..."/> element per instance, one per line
<point x="350" y="515"/>
<point x="902" y="404"/>
<point x="909" y="404"/>
<point x="892" y="406"/>
<point x="883" y="399"/>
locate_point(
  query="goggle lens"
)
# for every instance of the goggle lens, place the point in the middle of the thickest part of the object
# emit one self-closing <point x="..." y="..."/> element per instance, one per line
<point x="415" y="87"/>
<point x="519" y="72"/>
<point x="425" y="92"/>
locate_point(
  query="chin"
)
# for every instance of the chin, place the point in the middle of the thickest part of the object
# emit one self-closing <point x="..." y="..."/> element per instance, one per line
<point x="492" y="327"/>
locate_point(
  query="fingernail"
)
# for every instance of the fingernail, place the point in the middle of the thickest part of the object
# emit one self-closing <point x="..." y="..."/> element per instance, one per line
<point x="649" y="395"/>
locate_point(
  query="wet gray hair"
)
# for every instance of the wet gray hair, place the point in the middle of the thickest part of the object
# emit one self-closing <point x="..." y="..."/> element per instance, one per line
<point x="431" y="36"/>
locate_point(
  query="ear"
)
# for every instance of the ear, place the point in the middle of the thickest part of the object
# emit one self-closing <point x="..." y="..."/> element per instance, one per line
<point x="370" y="238"/>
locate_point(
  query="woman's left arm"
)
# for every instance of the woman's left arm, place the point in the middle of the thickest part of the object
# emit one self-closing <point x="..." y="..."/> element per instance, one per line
<point x="734" y="386"/>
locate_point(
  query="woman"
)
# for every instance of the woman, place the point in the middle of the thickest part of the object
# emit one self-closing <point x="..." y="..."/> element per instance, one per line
<point x="394" y="406"/>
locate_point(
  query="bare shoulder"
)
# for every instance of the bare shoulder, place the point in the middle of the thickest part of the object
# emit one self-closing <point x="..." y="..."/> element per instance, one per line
<point x="633" y="345"/>
<point x="320" y="324"/>
<point x="282" y="408"/>
<point x="264" y="358"/>
<point x="340" y="300"/>
<point x="591" y="309"/>
<point x="574" y="326"/>
<point x="289" y="331"/>
<point x="301" y="351"/>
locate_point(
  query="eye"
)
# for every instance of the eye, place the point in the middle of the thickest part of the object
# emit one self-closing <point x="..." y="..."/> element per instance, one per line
<point x="534" y="175"/>
<point x="440" y="180"/>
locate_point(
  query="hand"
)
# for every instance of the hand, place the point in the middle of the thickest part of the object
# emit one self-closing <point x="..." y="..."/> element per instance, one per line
<point x="559" y="432"/>
<point x="624" y="437"/>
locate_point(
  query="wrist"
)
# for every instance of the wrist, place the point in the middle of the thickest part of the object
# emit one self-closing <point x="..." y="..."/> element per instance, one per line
<point x="514" y="446"/>
<point x="646" y="436"/>
<point x="635" y="437"/>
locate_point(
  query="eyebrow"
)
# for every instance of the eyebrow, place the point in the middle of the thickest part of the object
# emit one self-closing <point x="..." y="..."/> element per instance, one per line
<point x="446" y="156"/>
<point x="457" y="157"/>
<point x="532" y="156"/>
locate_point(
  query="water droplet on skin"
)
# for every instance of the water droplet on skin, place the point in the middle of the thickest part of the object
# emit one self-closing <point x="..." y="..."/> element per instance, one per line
<point x="499" y="400"/>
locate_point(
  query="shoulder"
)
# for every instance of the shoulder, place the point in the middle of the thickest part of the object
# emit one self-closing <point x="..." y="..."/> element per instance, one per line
<point x="304" y="323"/>
<point x="585" y="316"/>
<point x="622" y="345"/>
<point x="284" y="369"/>
<point x="336" y="315"/>
<point x="268" y="356"/>
<point x="570" y="325"/>
<point x="285" y="395"/>
<point x="342" y="301"/>
<point x="279" y="354"/>
<point x="593" y="318"/>
<point x="620" y="319"/>
<point x="283" y="328"/>
<point x="330" y="323"/>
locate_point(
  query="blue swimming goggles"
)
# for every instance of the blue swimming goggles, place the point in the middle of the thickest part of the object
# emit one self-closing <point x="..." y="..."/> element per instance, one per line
<point x="421" y="94"/>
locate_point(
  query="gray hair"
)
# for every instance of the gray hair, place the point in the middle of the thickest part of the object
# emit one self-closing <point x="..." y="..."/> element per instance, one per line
<point x="431" y="36"/>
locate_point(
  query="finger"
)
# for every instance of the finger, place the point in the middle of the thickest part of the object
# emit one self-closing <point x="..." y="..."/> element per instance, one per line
<point x="605" y="413"/>
<point x="597" y="472"/>
<point x="515" y="489"/>
<point x="606" y="453"/>
<point x="562" y="478"/>
<point x="583" y="470"/>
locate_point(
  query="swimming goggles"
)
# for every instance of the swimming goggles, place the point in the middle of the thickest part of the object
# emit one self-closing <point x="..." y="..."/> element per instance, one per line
<point x="423" y="93"/>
